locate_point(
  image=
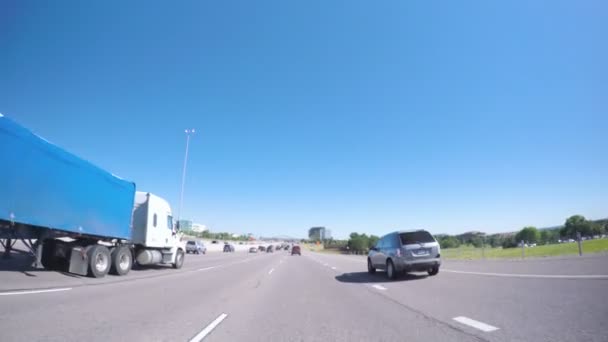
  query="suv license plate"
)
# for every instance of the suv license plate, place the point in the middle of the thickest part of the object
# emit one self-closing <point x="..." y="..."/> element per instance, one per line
<point x="421" y="252"/>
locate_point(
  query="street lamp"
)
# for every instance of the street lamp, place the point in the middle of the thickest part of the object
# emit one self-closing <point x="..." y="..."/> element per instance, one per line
<point x="188" y="132"/>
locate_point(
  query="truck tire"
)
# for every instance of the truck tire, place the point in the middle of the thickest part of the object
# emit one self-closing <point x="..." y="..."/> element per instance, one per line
<point x="99" y="261"/>
<point x="179" y="259"/>
<point x="122" y="260"/>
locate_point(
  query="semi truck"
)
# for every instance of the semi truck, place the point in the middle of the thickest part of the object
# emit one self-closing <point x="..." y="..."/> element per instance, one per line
<point x="76" y="217"/>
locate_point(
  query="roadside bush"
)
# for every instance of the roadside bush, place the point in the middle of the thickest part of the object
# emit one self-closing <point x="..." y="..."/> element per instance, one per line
<point x="509" y="242"/>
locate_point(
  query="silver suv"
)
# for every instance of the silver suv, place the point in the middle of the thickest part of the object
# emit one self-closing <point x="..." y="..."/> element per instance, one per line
<point x="405" y="251"/>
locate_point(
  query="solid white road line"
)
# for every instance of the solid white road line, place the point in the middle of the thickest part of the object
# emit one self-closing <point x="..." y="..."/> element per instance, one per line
<point x="34" y="291"/>
<point x="201" y="335"/>
<point x="379" y="287"/>
<point x="475" y="324"/>
<point x="516" y="275"/>
<point x="271" y="270"/>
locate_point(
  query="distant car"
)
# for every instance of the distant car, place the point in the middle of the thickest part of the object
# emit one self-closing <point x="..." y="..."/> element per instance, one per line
<point x="405" y="251"/>
<point x="195" y="247"/>
<point x="214" y="241"/>
<point x="240" y="242"/>
<point x="228" y="248"/>
<point x="296" y="250"/>
<point x="269" y="249"/>
<point x="262" y="249"/>
<point x="253" y="250"/>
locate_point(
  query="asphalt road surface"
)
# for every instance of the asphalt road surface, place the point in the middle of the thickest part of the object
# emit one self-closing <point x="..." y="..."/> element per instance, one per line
<point x="313" y="297"/>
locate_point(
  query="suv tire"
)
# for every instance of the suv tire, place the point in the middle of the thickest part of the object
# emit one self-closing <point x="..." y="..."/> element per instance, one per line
<point x="433" y="271"/>
<point x="391" y="273"/>
<point x="370" y="268"/>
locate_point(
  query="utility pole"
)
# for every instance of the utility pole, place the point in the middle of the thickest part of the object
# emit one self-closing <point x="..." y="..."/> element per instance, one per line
<point x="188" y="132"/>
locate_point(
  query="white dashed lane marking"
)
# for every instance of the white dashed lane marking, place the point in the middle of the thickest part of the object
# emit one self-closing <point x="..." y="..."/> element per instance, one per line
<point x="201" y="335"/>
<point x="379" y="287"/>
<point x="475" y="324"/>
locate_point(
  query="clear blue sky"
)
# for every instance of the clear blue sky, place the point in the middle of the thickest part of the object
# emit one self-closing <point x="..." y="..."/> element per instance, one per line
<point x="356" y="115"/>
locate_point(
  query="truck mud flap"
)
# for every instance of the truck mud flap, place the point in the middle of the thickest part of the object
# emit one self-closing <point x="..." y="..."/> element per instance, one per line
<point x="79" y="262"/>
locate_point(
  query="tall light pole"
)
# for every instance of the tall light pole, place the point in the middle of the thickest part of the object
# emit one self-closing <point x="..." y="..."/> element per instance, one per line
<point x="189" y="132"/>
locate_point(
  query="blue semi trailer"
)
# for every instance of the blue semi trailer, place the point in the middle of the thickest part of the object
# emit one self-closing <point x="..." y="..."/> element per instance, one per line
<point x="74" y="216"/>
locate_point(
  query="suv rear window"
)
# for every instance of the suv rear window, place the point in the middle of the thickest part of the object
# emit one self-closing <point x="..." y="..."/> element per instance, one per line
<point x="191" y="242"/>
<point x="416" y="237"/>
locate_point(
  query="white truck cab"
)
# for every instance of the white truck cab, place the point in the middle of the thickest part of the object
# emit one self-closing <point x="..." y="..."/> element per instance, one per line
<point x="153" y="235"/>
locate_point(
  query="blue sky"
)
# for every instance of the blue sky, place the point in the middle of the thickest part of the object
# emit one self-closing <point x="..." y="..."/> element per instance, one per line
<point x="356" y="115"/>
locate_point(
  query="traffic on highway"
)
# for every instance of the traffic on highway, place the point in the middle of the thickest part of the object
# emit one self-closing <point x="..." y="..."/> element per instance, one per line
<point x="316" y="297"/>
<point x="303" y="171"/>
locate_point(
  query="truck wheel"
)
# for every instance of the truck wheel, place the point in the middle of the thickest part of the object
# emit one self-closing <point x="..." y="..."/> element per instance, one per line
<point x="179" y="259"/>
<point x="99" y="261"/>
<point x="122" y="260"/>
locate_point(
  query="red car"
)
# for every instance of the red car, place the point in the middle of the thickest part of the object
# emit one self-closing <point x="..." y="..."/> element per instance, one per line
<point x="295" y="250"/>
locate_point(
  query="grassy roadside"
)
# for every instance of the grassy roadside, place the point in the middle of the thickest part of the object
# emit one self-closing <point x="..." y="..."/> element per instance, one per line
<point x="469" y="252"/>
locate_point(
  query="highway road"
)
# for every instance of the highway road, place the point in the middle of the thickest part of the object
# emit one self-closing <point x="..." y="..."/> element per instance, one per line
<point x="315" y="297"/>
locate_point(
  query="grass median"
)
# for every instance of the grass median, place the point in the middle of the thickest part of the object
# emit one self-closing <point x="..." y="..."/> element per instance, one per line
<point x="471" y="253"/>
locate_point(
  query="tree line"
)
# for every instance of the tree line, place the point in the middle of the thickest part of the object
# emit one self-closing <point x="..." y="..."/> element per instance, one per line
<point x="573" y="225"/>
<point x="361" y="243"/>
<point x="215" y="236"/>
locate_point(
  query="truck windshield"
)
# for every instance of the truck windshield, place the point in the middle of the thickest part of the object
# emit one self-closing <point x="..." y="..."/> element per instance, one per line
<point x="416" y="237"/>
<point x="170" y="222"/>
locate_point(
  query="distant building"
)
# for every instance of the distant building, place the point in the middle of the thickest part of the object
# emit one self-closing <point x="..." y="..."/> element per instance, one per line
<point x="189" y="225"/>
<point x="199" y="228"/>
<point x="185" y="224"/>
<point x="319" y="234"/>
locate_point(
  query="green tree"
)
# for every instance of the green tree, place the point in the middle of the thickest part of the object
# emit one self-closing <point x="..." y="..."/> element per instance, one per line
<point x="596" y="229"/>
<point x="548" y="236"/>
<point x="357" y="245"/>
<point x="528" y="234"/>
<point x="448" y="241"/>
<point x="373" y="239"/>
<point x="574" y="224"/>
<point x="509" y="242"/>
<point x="495" y="240"/>
<point x="477" y="241"/>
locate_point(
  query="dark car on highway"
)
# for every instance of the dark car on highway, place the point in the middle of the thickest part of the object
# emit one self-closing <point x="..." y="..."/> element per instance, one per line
<point x="405" y="251"/>
<point x="296" y="250"/>
<point x="262" y="249"/>
<point x="270" y="249"/>
<point x="228" y="248"/>
<point x="253" y="250"/>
